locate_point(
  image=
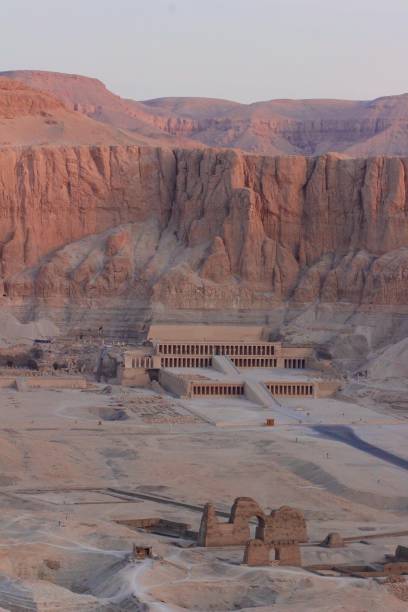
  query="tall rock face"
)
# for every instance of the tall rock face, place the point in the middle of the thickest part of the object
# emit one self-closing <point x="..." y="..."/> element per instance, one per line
<point x="200" y="229"/>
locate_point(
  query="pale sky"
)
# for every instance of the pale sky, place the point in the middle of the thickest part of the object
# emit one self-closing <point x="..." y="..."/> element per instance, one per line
<point x="244" y="50"/>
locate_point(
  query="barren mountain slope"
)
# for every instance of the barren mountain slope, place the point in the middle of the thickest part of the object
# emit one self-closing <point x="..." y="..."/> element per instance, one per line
<point x="90" y="97"/>
<point x="307" y="127"/>
<point x="32" y="117"/>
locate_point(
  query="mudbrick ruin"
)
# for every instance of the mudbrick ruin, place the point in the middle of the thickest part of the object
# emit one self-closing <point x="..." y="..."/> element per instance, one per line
<point x="282" y="531"/>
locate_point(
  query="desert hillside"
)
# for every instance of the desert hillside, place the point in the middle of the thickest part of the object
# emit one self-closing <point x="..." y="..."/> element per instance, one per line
<point x="274" y="127"/>
<point x="32" y="117"/>
<point x="89" y="97"/>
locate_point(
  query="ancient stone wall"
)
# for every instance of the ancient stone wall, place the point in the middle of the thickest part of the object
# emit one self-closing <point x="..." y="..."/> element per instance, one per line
<point x="257" y="553"/>
<point x="45" y="382"/>
<point x="232" y="533"/>
<point x="288" y="554"/>
<point x="283" y="526"/>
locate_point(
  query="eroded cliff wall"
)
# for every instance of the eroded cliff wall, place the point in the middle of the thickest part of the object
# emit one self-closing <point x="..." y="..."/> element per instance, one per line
<point x="201" y="229"/>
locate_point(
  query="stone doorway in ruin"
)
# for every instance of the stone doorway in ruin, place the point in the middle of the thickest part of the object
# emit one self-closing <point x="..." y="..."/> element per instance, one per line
<point x="256" y="525"/>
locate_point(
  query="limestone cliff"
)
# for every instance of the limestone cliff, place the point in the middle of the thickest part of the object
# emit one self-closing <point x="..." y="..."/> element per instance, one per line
<point x="201" y="229"/>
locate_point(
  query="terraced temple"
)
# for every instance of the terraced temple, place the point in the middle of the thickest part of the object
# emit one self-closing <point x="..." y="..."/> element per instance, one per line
<point x="218" y="364"/>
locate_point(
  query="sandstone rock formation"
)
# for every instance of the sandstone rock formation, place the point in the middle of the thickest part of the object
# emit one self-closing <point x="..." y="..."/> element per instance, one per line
<point x="89" y="97"/>
<point x="201" y="229"/>
<point x="32" y="117"/>
<point x="275" y="127"/>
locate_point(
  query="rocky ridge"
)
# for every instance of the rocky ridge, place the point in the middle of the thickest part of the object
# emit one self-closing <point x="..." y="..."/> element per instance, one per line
<point x="32" y="117"/>
<point x="273" y="127"/>
<point x="89" y="97"/>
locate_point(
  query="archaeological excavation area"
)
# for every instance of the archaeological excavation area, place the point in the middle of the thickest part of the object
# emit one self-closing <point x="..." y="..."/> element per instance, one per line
<point x="122" y="460"/>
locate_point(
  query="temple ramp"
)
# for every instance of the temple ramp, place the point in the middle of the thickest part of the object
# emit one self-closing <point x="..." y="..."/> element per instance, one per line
<point x="223" y="364"/>
<point x="257" y="392"/>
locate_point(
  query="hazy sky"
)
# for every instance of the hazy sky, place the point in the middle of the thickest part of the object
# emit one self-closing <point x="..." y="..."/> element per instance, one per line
<point x="243" y="50"/>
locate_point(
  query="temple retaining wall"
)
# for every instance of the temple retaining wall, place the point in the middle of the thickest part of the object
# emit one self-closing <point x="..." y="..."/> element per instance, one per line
<point x="177" y="385"/>
<point x="133" y="377"/>
<point x="45" y="382"/>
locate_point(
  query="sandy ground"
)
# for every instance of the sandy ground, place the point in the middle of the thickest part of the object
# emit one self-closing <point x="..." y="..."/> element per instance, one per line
<point x="74" y="462"/>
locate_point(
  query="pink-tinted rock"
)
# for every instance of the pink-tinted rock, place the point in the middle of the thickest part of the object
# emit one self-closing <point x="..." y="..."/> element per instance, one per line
<point x="202" y="229"/>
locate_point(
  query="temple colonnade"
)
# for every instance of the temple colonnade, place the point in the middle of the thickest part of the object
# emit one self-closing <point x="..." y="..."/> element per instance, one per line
<point x="186" y="362"/>
<point x="291" y="389"/>
<point x="215" y="348"/>
<point x="213" y="389"/>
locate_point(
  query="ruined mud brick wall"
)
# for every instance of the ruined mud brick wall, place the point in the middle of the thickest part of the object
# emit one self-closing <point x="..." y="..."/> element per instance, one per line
<point x="43" y="382"/>
<point x="56" y="382"/>
<point x="288" y="554"/>
<point x="257" y="553"/>
<point x="284" y="526"/>
<point x="333" y="540"/>
<point x="233" y="533"/>
<point x="397" y="568"/>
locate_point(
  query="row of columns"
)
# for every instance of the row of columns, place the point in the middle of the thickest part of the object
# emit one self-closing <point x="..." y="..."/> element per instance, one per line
<point x="205" y="362"/>
<point x="185" y="362"/>
<point x="257" y="362"/>
<point x="216" y="349"/>
<point x="292" y="389"/>
<point x="230" y="390"/>
<point x="142" y="362"/>
<point x="295" y="363"/>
